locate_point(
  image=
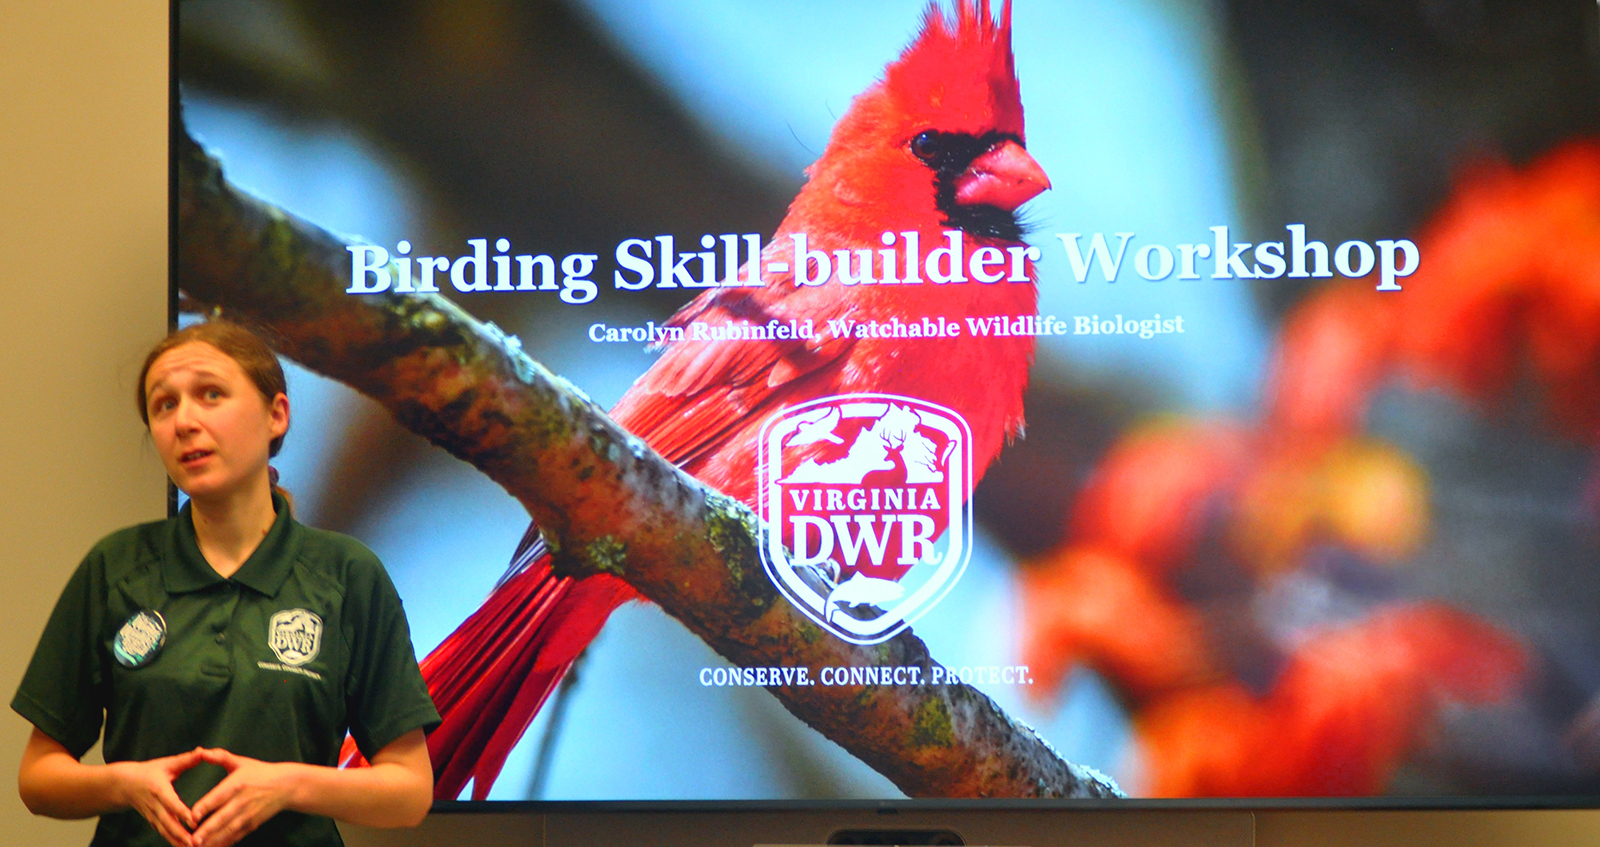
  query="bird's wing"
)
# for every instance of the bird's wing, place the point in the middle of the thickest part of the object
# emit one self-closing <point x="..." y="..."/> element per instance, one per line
<point x="700" y="390"/>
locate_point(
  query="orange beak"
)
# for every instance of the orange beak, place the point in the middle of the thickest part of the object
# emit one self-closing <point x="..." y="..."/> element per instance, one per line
<point x="1006" y="176"/>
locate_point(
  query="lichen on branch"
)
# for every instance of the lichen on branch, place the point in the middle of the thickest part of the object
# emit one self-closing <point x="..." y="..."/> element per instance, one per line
<point x="605" y="502"/>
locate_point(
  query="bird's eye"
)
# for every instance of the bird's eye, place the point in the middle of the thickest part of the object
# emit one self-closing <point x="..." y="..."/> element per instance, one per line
<point x="924" y="146"/>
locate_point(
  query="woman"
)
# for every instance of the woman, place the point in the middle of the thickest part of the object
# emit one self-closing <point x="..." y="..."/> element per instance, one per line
<point x="229" y="648"/>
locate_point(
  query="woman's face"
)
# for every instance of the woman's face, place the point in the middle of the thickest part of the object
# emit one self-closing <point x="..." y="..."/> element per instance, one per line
<point x="209" y="421"/>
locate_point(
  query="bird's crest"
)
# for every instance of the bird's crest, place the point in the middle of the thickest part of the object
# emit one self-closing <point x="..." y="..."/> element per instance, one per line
<point x="960" y="66"/>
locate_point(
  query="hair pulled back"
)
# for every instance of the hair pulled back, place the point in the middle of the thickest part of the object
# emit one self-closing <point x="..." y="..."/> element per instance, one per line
<point x="247" y="349"/>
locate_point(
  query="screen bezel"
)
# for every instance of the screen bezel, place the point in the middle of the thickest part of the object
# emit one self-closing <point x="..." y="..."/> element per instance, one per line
<point x="885" y="806"/>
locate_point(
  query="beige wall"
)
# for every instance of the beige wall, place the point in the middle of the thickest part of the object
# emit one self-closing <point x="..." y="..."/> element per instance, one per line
<point x="83" y="247"/>
<point x="83" y="243"/>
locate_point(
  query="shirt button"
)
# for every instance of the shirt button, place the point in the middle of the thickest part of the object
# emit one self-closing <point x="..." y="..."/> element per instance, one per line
<point x="222" y="638"/>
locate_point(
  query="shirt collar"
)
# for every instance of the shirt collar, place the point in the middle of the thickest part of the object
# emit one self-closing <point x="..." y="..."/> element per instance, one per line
<point x="185" y="569"/>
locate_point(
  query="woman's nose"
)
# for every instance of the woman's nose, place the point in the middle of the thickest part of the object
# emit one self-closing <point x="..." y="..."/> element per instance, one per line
<point x="183" y="416"/>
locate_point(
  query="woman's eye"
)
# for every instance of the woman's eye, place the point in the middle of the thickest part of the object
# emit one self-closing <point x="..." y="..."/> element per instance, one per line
<point x="925" y="146"/>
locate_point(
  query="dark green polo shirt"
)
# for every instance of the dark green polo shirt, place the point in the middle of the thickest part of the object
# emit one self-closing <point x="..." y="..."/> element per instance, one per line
<point x="307" y="639"/>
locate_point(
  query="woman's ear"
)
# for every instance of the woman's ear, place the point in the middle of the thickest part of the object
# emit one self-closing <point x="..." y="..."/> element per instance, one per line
<point x="278" y="412"/>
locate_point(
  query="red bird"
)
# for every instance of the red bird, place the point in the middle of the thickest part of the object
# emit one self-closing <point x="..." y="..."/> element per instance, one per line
<point x="1351" y="704"/>
<point x="936" y="145"/>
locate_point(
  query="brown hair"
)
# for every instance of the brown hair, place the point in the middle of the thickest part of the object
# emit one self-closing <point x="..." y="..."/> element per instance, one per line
<point x="253" y="355"/>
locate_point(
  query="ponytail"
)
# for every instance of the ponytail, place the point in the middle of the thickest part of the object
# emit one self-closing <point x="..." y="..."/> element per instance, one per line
<point x="272" y="479"/>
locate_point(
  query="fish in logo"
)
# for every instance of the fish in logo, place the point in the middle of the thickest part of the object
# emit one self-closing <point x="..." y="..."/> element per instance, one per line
<point x="866" y="499"/>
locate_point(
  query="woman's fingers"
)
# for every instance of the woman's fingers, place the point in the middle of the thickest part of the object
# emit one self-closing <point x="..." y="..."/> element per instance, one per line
<point x="173" y="805"/>
<point x="220" y="756"/>
<point x="215" y="799"/>
<point x="234" y="820"/>
<point x="170" y="829"/>
<point x="250" y="795"/>
<point x="166" y="821"/>
<point x="147" y="788"/>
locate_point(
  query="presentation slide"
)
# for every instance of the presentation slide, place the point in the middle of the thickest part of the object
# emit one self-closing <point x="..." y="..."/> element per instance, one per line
<point x="837" y="401"/>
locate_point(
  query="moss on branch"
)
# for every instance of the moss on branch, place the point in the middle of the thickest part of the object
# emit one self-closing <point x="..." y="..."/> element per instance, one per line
<point x="605" y="501"/>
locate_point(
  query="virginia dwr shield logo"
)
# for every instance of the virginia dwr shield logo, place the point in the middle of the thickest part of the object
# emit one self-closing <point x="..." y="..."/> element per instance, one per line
<point x="295" y="636"/>
<point x="866" y="500"/>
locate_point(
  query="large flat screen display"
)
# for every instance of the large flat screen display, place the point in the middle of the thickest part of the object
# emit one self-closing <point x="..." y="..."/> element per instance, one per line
<point x="1049" y="400"/>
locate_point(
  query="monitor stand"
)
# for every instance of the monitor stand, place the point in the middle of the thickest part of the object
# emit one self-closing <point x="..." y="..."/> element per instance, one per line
<point x="1027" y="828"/>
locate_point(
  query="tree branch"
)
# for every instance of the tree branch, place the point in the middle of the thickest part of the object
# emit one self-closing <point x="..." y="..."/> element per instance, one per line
<point x="604" y="500"/>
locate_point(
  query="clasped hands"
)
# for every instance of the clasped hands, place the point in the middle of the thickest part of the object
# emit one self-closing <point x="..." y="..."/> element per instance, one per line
<point x="248" y="797"/>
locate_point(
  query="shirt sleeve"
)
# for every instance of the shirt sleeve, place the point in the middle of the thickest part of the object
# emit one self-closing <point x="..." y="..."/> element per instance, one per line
<point x="61" y="691"/>
<point x="385" y="695"/>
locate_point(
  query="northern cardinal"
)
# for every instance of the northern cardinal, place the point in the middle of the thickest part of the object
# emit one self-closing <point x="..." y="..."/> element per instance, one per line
<point x="1511" y="288"/>
<point x="1507" y="296"/>
<point x="1508" y="290"/>
<point x="1333" y="351"/>
<point x="937" y="145"/>
<point x="1092" y="606"/>
<point x="1348" y="707"/>
<point x="1150" y="496"/>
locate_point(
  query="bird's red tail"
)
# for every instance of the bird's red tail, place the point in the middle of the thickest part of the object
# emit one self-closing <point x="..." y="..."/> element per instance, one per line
<point x="490" y="677"/>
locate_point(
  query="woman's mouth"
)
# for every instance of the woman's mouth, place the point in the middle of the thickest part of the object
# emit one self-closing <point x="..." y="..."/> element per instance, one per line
<point x="193" y="456"/>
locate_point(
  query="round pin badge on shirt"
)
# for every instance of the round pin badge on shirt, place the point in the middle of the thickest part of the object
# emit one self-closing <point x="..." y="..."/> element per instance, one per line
<point x="140" y="639"/>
